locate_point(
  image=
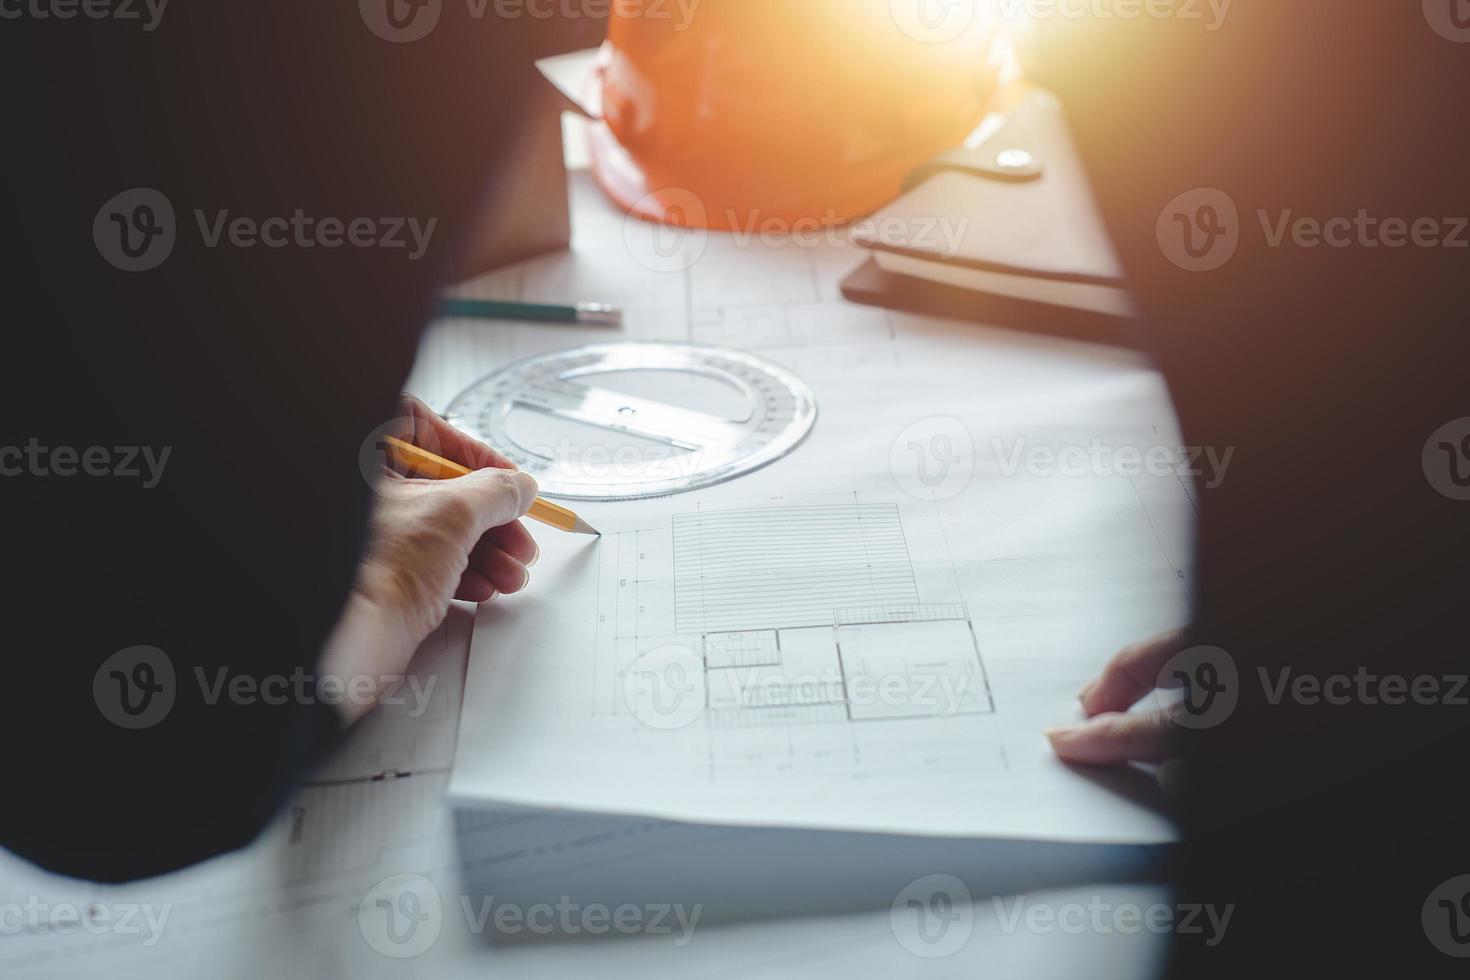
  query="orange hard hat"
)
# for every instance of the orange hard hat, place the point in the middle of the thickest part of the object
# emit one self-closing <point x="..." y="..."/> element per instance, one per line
<point x="718" y="113"/>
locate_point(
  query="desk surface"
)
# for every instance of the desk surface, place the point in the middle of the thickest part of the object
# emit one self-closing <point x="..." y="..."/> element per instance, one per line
<point x="289" y="905"/>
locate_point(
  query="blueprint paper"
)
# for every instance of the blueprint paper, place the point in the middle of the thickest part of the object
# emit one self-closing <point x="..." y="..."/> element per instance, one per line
<point x="869" y="635"/>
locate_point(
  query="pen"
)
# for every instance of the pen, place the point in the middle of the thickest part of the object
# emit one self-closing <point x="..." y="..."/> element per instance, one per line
<point x="425" y="465"/>
<point x="594" y="314"/>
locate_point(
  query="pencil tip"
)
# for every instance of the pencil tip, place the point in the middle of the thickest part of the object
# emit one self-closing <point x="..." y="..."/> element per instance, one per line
<point x="582" y="527"/>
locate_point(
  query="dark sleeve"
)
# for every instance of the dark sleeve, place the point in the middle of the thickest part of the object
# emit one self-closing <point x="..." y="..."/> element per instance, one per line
<point x="166" y="567"/>
<point x="1336" y="544"/>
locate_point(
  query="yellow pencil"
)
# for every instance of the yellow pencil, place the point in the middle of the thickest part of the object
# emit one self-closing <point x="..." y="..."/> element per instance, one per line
<point x="425" y="465"/>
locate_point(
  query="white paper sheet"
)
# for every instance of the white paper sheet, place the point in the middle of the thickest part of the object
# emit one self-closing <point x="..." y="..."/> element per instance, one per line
<point x="869" y="635"/>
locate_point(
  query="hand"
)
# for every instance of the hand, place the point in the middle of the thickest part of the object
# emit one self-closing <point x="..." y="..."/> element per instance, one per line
<point x="1110" y="737"/>
<point x="430" y="542"/>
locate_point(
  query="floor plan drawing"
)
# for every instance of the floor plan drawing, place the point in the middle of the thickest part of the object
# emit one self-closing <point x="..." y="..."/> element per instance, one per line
<point x="836" y="642"/>
<point x="804" y="612"/>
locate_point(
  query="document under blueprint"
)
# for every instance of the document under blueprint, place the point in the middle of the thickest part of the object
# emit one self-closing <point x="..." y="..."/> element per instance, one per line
<point x="871" y="634"/>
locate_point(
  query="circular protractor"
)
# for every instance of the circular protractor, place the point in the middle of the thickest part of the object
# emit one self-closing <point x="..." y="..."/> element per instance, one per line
<point x="625" y="421"/>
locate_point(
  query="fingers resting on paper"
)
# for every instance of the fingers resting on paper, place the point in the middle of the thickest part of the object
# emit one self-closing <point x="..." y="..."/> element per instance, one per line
<point x="1111" y="735"/>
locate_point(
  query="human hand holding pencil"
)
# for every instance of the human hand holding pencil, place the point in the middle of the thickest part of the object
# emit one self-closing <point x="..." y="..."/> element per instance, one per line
<point x="441" y="532"/>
